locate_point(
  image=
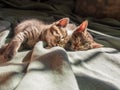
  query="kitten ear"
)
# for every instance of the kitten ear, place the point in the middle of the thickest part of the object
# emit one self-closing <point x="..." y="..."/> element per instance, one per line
<point x="63" y="22"/>
<point x="83" y="26"/>
<point x="96" y="45"/>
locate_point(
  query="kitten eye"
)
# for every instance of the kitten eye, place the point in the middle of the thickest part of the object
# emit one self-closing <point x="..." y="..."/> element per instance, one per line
<point x="54" y="33"/>
<point x="57" y="36"/>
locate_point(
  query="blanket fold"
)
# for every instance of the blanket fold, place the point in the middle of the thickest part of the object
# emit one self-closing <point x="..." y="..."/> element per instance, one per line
<point x="48" y="69"/>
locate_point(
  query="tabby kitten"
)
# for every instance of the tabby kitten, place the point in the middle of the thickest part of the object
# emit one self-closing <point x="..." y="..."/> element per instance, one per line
<point x="29" y="32"/>
<point x="81" y="39"/>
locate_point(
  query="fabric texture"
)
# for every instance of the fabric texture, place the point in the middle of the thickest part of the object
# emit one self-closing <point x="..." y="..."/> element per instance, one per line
<point x="56" y="68"/>
<point x="98" y="8"/>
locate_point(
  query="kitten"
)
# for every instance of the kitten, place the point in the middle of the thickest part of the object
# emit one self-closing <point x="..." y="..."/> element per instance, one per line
<point x="81" y="39"/>
<point x="29" y="32"/>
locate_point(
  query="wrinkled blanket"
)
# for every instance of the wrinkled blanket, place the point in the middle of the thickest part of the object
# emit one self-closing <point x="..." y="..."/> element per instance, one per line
<point x="56" y="68"/>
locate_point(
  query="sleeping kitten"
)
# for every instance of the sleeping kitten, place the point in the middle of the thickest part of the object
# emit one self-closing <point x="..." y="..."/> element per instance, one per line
<point x="81" y="39"/>
<point x="29" y="32"/>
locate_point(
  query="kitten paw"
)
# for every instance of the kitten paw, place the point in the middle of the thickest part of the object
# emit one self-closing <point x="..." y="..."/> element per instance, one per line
<point x="3" y="59"/>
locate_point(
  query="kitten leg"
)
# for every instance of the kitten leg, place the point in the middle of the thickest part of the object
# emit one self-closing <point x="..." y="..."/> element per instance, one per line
<point x="2" y="49"/>
<point x="12" y="48"/>
<point x="9" y="52"/>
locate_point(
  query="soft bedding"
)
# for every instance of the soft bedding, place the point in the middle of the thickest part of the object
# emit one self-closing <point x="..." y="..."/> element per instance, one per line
<point x="56" y="68"/>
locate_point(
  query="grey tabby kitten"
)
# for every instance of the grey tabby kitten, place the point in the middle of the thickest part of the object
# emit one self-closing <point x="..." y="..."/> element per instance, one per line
<point x="29" y="32"/>
<point x="81" y="39"/>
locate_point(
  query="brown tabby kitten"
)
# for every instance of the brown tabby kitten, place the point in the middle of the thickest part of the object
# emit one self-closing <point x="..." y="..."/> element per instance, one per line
<point x="81" y="39"/>
<point x="29" y="32"/>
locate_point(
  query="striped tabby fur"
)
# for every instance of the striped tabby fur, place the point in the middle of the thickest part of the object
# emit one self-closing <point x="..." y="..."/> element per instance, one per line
<point x="81" y="39"/>
<point x="29" y="32"/>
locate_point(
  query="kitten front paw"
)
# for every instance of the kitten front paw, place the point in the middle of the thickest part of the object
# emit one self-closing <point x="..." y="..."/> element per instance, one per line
<point x="6" y="53"/>
<point x="3" y="59"/>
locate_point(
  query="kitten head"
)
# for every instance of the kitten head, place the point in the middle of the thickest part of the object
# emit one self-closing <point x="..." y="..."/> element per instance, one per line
<point x="81" y="39"/>
<point x="56" y="34"/>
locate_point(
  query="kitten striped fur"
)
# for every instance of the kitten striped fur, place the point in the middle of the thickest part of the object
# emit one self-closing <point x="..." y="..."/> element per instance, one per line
<point x="81" y="39"/>
<point x="29" y="32"/>
<point x="59" y="33"/>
